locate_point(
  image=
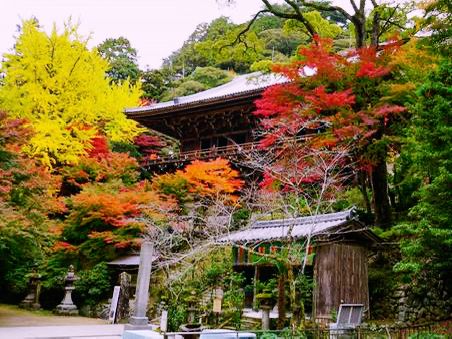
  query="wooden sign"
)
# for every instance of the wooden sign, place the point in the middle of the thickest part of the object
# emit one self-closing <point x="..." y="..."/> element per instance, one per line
<point x="114" y="305"/>
<point x="217" y="305"/>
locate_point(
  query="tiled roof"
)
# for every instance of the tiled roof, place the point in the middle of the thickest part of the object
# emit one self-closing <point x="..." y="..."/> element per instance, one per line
<point x="301" y="227"/>
<point x="129" y="260"/>
<point x="242" y="84"/>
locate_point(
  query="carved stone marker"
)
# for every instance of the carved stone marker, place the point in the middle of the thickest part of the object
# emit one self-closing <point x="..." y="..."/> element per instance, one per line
<point x="34" y="288"/>
<point x="67" y="307"/>
<point x="124" y="297"/>
<point x="139" y="318"/>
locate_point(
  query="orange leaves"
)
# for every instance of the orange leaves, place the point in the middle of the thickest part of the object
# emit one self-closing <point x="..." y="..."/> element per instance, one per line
<point x="116" y="208"/>
<point x="211" y="178"/>
<point x="112" y="209"/>
<point x="64" y="246"/>
<point x="109" y="166"/>
<point x="201" y="179"/>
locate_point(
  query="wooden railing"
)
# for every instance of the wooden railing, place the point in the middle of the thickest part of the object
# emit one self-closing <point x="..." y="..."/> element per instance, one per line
<point x="211" y="153"/>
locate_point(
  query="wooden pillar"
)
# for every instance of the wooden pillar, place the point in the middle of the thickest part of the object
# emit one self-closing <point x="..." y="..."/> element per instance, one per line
<point x="281" y="300"/>
<point x="255" y="279"/>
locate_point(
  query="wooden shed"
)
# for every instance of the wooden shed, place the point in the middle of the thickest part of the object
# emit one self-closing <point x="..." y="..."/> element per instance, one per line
<point x="340" y="245"/>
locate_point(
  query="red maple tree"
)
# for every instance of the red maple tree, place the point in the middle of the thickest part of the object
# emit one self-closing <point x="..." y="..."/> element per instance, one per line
<point x="342" y="99"/>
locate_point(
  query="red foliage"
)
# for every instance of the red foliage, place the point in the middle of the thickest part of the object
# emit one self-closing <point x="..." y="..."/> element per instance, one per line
<point x="371" y="70"/>
<point x="144" y="140"/>
<point x="99" y="147"/>
<point x="148" y="146"/>
<point x="327" y="91"/>
<point x="321" y="100"/>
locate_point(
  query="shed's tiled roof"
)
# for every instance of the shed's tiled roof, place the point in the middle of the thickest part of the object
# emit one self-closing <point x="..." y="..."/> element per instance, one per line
<point x="302" y="227"/>
<point x="129" y="260"/>
<point x="242" y="84"/>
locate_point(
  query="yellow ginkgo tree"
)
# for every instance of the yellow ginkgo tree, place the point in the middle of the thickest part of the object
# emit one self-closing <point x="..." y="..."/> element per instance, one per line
<point x="59" y="85"/>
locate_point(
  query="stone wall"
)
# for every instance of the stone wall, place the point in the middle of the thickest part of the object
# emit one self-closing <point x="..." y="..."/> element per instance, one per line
<point x="412" y="307"/>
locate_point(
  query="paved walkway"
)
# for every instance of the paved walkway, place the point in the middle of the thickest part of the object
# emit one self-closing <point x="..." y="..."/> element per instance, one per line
<point x="63" y="332"/>
<point x="16" y="323"/>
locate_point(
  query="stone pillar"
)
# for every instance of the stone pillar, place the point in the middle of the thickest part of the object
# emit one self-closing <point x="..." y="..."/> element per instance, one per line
<point x="265" y="317"/>
<point x="139" y="318"/>
<point x="67" y="307"/>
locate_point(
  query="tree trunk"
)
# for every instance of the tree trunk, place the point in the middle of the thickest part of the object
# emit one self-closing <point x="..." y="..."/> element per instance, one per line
<point x="375" y="29"/>
<point x="295" y="306"/>
<point x="360" y="30"/>
<point x="363" y="188"/>
<point x="281" y="300"/>
<point x="380" y="199"/>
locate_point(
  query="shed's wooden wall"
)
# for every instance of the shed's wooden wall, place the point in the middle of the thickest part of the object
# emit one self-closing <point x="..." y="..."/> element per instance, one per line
<point x="340" y="275"/>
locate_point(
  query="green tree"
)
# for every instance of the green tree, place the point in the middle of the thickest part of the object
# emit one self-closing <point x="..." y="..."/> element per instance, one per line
<point x="211" y="76"/>
<point x="427" y="250"/>
<point x="323" y="27"/>
<point x="298" y="9"/>
<point x="438" y="20"/>
<point x="155" y="82"/>
<point x="122" y="58"/>
<point x="59" y="85"/>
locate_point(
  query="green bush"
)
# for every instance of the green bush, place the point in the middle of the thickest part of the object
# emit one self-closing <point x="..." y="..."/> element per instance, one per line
<point x="427" y="335"/>
<point x="211" y="76"/>
<point x="93" y="285"/>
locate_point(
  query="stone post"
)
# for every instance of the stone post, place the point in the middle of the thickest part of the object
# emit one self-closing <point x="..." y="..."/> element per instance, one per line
<point x="139" y="318"/>
<point x="67" y="307"/>
<point x="265" y="317"/>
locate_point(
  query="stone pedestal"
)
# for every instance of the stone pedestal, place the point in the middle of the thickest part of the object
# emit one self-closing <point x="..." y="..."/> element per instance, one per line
<point x="67" y="307"/>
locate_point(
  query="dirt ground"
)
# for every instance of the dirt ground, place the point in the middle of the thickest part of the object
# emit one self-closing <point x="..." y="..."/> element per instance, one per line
<point x="12" y="316"/>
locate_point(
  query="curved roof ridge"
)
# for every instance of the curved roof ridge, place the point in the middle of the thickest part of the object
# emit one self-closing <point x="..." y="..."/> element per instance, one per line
<point x="241" y="84"/>
<point x="335" y="216"/>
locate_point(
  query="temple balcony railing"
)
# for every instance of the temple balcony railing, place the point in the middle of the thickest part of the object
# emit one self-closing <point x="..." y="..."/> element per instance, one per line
<point x="203" y="154"/>
<point x="228" y="151"/>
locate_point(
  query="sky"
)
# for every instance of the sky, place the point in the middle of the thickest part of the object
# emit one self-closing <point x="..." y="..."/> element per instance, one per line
<point x="154" y="27"/>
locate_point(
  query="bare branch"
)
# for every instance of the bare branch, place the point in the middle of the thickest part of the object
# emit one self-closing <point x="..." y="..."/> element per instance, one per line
<point x="239" y="38"/>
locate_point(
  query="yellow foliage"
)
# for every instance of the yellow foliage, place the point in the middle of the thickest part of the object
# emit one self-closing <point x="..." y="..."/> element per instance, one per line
<point x="415" y="61"/>
<point x="59" y="86"/>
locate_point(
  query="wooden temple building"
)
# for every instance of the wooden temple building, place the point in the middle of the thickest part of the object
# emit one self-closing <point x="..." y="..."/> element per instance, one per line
<point x="339" y="247"/>
<point x="210" y="123"/>
<point x="214" y="123"/>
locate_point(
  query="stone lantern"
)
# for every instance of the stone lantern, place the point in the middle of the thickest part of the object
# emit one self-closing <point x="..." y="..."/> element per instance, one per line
<point x="67" y="307"/>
